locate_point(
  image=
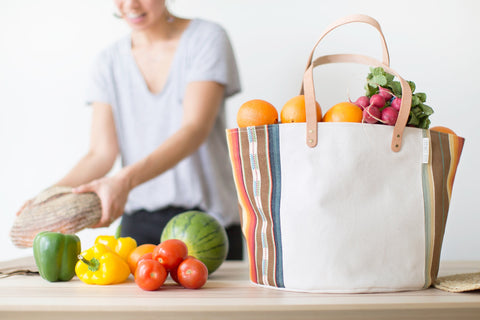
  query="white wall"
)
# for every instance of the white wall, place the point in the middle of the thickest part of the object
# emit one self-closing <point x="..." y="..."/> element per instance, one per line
<point x="46" y="48"/>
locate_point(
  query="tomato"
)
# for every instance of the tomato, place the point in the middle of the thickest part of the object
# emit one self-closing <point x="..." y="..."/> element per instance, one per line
<point x="135" y="255"/>
<point x="173" y="275"/>
<point x="192" y="273"/>
<point x="150" y="274"/>
<point x="170" y="253"/>
<point x="173" y="272"/>
<point x="146" y="256"/>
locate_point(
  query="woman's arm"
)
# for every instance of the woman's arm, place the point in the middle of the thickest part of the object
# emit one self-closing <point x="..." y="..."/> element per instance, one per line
<point x="201" y="105"/>
<point x="102" y="152"/>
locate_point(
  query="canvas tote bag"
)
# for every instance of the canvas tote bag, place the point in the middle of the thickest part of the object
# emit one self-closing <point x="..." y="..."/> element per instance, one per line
<point x="344" y="207"/>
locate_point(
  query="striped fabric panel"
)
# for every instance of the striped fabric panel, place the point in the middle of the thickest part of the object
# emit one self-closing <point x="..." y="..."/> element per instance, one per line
<point x="247" y="218"/>
<point x="255" y="159"/>
<point x="438" y="178"/>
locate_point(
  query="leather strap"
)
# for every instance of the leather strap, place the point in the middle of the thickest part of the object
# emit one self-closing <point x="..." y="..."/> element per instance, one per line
<point x="361" y="59"/>
<point x="354" y="18"/>
<point x="361" y="18"/>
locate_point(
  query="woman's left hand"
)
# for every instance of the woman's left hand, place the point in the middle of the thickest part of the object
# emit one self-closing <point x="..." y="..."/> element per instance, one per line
<point x="113" y="193"/>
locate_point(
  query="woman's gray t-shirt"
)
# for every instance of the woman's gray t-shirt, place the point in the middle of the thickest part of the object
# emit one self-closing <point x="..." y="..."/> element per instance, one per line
<point x="144" y="120"/>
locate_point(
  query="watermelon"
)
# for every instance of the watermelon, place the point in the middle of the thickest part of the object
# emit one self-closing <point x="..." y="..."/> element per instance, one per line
<point x="204" y="236"/>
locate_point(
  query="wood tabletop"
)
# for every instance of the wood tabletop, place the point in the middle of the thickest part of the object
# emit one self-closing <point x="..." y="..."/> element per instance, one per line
<point x="228" y="294"/>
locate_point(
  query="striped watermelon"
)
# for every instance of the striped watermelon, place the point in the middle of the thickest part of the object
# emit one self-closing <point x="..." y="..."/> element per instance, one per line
<point x="204" y="236"/>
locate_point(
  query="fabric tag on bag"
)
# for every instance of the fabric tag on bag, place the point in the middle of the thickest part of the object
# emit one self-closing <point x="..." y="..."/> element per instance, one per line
<point x="426" y="150"/>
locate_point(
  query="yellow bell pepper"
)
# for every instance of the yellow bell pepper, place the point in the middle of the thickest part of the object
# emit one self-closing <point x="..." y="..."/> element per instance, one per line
<point x="122" y="246"/>
<point x="100" y="265"/>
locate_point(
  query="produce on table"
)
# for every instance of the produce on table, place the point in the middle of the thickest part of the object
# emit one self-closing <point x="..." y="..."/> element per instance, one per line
<point x="148" y="255"/>
<point x="121" y="246"/>
<point x="294" y="110"/>
<point x="101" y="265"/>
<point x="138" y="253"/>
<point x="170" y="257"/>
<point x="150" y="274"/>
<point x="55" y="255"/>
<point x="192" y="273"/>
<point x="204" y="236"/>
<point x="256" y="112"/>
<point x="383" y="92"/>
<point x="170" y="253"/>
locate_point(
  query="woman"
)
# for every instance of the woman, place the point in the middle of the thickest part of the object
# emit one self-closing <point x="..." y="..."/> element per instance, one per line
<point x="157" y="98"/>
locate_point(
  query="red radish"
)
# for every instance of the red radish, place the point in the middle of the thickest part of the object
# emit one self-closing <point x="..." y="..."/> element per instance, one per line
<point x="371" y="114"/>
<point x="377" y="101"/>
<point x="389" y="116"/>
<point x="386" y="93"/>
<point x="396" y="103"/>
<point x="362" y="102"/>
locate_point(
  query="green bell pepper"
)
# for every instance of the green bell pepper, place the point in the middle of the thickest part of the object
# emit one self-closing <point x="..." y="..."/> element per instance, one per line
<point x="56" y="255"/>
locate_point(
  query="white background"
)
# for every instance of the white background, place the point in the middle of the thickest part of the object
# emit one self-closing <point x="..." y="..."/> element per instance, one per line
<point x="46" y="48"/>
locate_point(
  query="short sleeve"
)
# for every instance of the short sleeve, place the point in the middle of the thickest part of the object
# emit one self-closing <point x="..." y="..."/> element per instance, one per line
<point x="99" y="86"/>
<point x="212" y="59"/>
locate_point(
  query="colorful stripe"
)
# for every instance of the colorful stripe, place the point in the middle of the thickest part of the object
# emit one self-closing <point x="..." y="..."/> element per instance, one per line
<point x="275" y="169"/>
<point x="254" y="153"/>
<point x="438" y="176"/>
<point x="248" y="220"/>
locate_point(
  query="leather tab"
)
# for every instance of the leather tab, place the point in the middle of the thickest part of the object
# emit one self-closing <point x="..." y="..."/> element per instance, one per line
<point x="310" y="108"/>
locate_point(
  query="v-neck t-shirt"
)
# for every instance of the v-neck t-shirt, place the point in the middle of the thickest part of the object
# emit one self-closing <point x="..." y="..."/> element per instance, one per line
<point x="144" y="120"/>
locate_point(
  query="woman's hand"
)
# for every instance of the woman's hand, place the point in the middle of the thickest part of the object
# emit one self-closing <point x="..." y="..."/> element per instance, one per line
<point x="113" y="193"/>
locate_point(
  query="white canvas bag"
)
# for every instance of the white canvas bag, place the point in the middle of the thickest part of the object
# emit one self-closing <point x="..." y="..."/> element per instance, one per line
<point x="344" y="207"/>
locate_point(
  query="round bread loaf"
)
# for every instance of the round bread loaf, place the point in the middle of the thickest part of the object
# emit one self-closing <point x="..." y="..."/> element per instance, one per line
<point x="55" y="209"/>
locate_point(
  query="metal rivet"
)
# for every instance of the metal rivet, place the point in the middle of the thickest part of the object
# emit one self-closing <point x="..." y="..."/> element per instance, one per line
<point x="310" y="131"/>
<point x="310" y="140"/>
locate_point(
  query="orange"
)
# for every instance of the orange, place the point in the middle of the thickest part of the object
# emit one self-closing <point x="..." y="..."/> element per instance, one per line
<point x="137" y="253"/>
<point x="443" y="129"/>
<point x="294" y="110"/>
<point x="256" y="113"/>
<point x="343" y="112"/>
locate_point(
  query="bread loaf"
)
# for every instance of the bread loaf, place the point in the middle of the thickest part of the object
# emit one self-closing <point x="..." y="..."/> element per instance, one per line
<point x="55" y="209"/>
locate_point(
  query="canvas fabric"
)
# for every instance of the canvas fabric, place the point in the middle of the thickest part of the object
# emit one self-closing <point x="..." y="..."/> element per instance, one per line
<point x="365" y="218"/>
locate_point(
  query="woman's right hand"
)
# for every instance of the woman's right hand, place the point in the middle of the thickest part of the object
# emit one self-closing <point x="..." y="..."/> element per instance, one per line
<point x="26" y="204"/>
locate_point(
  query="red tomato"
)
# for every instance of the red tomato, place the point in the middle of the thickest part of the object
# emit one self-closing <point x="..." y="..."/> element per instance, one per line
<point x="150" y="274"/>
<point x="192" y="273"/>
<point x="146" y="256"/>
<point x="173" y="272"/>
<point x="173" y="275"/>
<point x="170" y="253"/>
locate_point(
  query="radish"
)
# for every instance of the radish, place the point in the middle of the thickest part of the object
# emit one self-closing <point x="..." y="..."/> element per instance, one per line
<point x="386" y="93"/>
<point x="362" y="102"/>
<point x="377" y="101"/>
<point x="396" y="103"/>
<point x="389" y="116"/>
<point x="371" y="114"/>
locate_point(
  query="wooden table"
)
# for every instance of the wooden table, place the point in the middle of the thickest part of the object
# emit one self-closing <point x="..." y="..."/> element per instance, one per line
<point x="227" y="295"/>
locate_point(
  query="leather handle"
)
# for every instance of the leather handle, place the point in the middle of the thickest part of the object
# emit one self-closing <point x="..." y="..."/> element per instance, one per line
<point x="309" y="90"/>
<point x="360" y="18"/>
